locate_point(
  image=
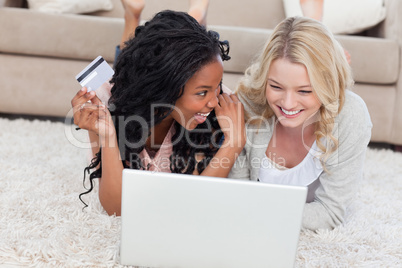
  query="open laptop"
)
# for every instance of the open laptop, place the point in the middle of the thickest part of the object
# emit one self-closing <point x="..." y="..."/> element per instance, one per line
<point x="175" y="220"/>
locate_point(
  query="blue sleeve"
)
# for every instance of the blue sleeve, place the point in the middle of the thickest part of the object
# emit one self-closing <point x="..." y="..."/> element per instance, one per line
<point x="116" y="54"/>
<point x="221" y="141"/>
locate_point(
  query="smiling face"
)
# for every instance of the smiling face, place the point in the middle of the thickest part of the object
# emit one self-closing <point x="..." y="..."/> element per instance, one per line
<point x="200" y="95"/>
<point x="289" y="93"/>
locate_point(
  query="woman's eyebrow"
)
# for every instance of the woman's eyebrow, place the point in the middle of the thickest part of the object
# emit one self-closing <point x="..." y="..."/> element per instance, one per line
<point x="272" y="80"/>
<point x="203" y="86"/>
<point x="304" y="86"/>
<point x="207" y="86"/>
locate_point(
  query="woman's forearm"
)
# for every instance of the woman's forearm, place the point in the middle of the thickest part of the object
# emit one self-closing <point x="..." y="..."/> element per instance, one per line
<point x="94" y="139"/>
<point x="111" y="181"/>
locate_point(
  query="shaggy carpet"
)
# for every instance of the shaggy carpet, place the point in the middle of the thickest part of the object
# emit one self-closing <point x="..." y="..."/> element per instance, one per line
<point x="42" y="222"/>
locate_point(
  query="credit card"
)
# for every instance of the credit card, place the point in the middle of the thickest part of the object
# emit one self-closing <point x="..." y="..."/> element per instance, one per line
<point x="95" y="74"/>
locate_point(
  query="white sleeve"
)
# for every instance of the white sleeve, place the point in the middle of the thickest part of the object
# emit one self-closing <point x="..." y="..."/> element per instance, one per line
<point x="345" y="169"/>
<point x="240" y="169"/>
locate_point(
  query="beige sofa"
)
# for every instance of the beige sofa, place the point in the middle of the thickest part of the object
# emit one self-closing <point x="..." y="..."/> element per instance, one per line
<point x="40" y="54"/>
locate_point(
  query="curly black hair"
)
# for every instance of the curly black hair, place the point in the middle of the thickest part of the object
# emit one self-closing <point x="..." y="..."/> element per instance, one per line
<point x="153" y="68"/>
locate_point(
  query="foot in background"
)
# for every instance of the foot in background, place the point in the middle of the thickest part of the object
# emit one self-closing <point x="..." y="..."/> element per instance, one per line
<point x="312" y="8"/>
<point x="132" y="15"/>
<point x="198" y="10"/>
<point x="315" y="9"/>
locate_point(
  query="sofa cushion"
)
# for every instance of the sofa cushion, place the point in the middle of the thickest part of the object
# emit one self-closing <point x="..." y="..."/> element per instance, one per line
<point x="69" y="6"/>
<point x="380" y="67"/>
<point x="380" y="101"/>
<point x="374" y="60"/>
<point x="116" y="12"/>
<point x="344" y="16"/>
<point x="253" y="13"/>
<point x="47" y="35"/>
<point x="244" y="43"/>
<point x="227" y="13"/>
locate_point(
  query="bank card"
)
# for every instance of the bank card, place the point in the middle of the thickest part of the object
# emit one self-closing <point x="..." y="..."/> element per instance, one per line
<point x="95" y="74"/>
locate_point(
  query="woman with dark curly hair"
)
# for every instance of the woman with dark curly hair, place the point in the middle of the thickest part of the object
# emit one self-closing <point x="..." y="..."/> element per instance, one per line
<point x="167" y="111"/>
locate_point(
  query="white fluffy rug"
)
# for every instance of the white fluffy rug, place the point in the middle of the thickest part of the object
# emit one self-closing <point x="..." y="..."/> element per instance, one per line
<point x="42" y="222"/>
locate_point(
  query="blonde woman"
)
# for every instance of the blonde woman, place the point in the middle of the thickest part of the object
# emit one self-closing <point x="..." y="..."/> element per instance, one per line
<point x="304" y="125"/>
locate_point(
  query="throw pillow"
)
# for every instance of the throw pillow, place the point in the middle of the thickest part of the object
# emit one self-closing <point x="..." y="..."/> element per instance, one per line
<point x="70" y="6"/>
<point x="345" y="16"/>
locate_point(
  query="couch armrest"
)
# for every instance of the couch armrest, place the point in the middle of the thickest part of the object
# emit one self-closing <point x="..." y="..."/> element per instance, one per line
<point x="79" y="37"/>
<point x="391" y="27"/>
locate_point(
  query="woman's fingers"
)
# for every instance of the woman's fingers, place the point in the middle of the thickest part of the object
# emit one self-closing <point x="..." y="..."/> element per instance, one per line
<point x="230" y="114"/>
<point x="227" y="90"/>
<point x="78" y="97"/>
<point x="224" y="100"/>
<point x="83" y="99"/>
<point x="234" y="98"/>
<point x="95" y="100"/>
<point x="86" y="115"/>
<point x="228" y="101"/>
<point x="89" y="116"/>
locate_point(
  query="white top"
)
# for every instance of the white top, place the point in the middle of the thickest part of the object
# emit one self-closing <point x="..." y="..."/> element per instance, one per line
<point x="306" y="173"/>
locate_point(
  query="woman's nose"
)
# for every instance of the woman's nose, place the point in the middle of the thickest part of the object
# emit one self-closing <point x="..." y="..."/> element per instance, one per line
<point x="213" y="101"/>
<point x="289" y="101"/>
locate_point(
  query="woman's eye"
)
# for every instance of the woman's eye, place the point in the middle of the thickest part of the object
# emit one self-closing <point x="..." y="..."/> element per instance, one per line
<point x="202" y="93"/>
<point x="305" y="91"/>
<point x="275" y="87"/>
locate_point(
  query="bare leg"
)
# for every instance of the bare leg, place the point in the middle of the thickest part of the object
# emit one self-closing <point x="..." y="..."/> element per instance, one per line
<point x="132" y="14"/>
<point x="312" y="8"/>
<point x="198" y="10"/>
<point x="315" y="9"/>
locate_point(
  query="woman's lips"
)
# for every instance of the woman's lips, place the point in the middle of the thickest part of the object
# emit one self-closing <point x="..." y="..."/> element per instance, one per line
<point x="289" y="114"/>
<point x="201" y="117"/>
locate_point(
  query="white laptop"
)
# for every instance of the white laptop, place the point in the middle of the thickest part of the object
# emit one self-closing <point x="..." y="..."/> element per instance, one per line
<point x="175" y="220"/>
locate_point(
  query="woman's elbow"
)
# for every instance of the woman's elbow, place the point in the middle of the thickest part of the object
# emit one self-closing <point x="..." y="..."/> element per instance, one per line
<point x="111" y="208"/>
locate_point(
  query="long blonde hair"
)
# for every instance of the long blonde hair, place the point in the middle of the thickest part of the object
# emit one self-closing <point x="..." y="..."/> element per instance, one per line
<point x="308" y="42"/>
